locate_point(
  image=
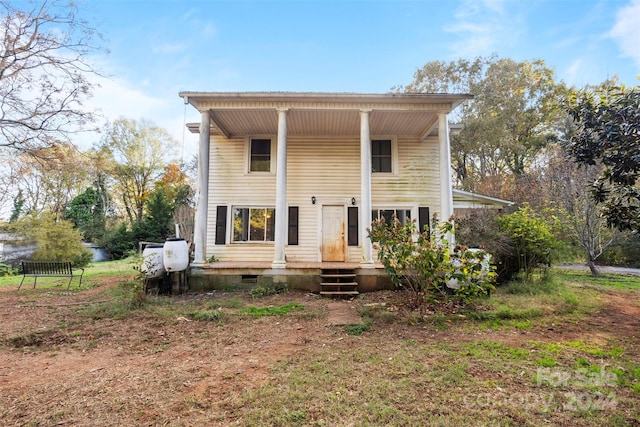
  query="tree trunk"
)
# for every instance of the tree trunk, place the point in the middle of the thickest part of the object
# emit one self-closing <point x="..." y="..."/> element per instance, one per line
<point x="594" y="269"/>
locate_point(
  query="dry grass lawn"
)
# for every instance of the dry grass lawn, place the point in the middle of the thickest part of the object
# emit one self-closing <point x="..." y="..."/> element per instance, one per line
<point x="565" y="355"/>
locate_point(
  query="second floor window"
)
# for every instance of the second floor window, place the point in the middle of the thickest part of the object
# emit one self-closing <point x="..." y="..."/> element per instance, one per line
<point x="260" y="158"/>
<point x="381" y="155"/>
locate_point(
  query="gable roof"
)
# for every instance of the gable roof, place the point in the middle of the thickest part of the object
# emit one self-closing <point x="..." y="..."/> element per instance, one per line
<point x="237" y="114"/>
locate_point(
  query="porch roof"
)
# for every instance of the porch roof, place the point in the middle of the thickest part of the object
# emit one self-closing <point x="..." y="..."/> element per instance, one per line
<point x="466" y="199"/>
<point x="237" y="114"/>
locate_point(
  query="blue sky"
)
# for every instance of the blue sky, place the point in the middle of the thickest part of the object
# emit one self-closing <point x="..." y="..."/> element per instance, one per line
<point x="159" y="48"/>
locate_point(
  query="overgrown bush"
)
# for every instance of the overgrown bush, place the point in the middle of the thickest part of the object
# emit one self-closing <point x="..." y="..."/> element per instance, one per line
<point x="119" y="242"/>
<point x="56" y="240"/>
<point x="481" y="229"/>
<point x="519" y="242"/>
<point x="473" y="274"/>
<point x="425" y="264"/>
<point x="532" y="240"/>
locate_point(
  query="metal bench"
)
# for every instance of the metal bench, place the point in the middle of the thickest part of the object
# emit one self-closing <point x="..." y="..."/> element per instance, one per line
<point x="37" y="269"/>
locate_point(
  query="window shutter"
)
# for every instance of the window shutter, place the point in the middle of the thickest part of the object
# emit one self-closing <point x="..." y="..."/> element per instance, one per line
<point x="221" y="225"/>
<point x="352" y="226"/>
<point x="424" y="220"/>
<point x="293" y="225"/>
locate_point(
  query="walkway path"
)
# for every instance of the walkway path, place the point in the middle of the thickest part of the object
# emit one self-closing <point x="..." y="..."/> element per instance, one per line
<point x="343" y="313"/>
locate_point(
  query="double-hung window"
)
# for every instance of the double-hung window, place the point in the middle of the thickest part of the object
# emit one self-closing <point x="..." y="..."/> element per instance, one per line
<point x="253" y="224"/>
<point x="381" y="156"/>
<point x="259" y="155"/>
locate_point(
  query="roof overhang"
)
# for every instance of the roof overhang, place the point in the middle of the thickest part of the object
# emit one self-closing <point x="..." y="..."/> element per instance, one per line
<point x="238" y="114"/>
<point x="467" y="200"/>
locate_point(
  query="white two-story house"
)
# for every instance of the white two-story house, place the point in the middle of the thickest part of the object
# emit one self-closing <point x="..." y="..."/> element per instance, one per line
<point x="288" y="183"/>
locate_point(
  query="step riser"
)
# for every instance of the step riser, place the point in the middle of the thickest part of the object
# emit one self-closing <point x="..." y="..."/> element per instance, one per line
<point x="336" y="282"/>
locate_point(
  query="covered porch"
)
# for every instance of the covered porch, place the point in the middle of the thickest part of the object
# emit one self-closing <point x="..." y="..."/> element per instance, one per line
<point x="300" y="123"/>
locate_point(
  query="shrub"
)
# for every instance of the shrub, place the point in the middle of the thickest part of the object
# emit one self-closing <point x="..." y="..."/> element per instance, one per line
<point x="519" y="242"/>
<point x="7" y="270"/>
<point x="473" y="275"/>
<point x="119" y="241"/>
<point x="481" y="229"/>
<point x="424" y="263"/>
<point x="56" y="240"/>
<point x="531" y="238"/>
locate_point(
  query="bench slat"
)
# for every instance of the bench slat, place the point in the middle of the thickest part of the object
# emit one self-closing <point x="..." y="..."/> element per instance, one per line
<point x="48" y="269"/>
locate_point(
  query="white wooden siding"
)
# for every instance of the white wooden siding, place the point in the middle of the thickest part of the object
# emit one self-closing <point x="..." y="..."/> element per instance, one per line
<point x="327" y="168"/>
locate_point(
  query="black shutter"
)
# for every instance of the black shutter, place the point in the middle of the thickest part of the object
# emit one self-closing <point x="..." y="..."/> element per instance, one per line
<point x="352" y="226"/>
<point x="293" y="225"/>
<point x="424" y="220"/>
<point x="221" y="225"/>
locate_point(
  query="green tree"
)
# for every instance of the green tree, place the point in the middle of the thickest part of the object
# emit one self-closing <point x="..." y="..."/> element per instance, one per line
<point x="178" y="189"/>
<point x="607" y="133"/>
<point x="119" y="241"/>
<point x="88" y="214"/>
<point x="509" y="120"/>
<point x="157" y="223"/>
<point x="176" y="185"/>
<point x="135" y="150"/>
<point x="56" y="240"/>
<point x="18" y="206"/>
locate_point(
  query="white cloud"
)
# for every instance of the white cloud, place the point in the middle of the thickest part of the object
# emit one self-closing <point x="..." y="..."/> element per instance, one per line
<point x="494" y="5"/>
<point x="483" y="27"/>
<point x="118" y="98"/>
<point x="115" y="98"/>
<point x="626" y="31"/>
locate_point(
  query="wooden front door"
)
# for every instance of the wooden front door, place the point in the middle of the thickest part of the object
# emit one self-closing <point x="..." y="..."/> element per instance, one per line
<point x="332" y="233"/>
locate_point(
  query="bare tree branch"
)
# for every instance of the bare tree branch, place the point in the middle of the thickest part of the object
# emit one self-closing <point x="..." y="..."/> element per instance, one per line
<point x="44" y="74"/>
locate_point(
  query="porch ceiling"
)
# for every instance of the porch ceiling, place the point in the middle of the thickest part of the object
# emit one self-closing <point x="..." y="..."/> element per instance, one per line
<point x="323" y="114"/>
<point x="235" y="123"/>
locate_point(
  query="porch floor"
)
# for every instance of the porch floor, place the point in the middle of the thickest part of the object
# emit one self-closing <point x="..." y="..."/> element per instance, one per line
<point x="298" y="275"/>
<point x="222" y="265"/>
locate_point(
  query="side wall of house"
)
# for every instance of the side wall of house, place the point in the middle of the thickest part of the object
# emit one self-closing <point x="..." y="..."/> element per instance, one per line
<point x="325" y="168"/>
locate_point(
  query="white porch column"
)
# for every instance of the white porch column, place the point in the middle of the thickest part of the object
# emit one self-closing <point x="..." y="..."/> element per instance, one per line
<point x="202" y="199"/>
<point x="365" y="189"/>
<point x="279" y="260"/>
<point x="446" y="192"/>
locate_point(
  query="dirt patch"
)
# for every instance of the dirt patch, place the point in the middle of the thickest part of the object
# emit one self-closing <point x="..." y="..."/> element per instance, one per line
<point x="343" y="313"/>
<point x="60" y="367"/>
